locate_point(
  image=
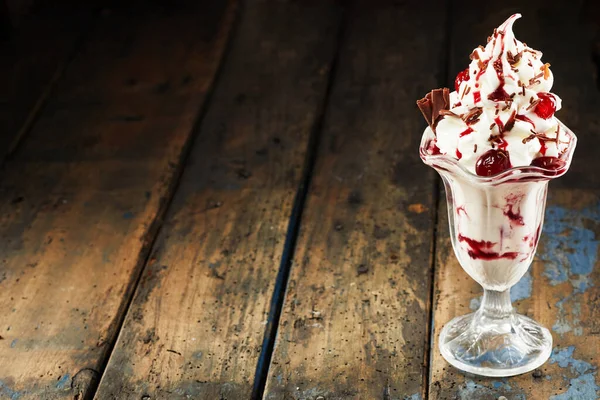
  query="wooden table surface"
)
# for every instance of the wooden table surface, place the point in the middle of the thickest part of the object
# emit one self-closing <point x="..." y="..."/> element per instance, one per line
<point x="224" y="200"/>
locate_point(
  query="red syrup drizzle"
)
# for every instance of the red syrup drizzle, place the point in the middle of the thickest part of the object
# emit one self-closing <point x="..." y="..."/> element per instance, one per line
<point x="480" y="249"/>
<point x="500" y="124"/>
<point x="503" y="144"/>
<point x="476" y="96"/>
<point x="515" y="217"/>
<point x="499" y="94"/>
<point x="511" y="201"/>
<point x="466" y="132"/>
<point x="433" y="149"/>
<point x="525" y="119"/>
<point x="458" y="154"/>
<point x="460" y="209"/>
<point x="543" y="147"/>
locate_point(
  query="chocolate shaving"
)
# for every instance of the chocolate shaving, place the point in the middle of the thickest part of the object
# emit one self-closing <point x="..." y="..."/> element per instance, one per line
<point x="474" y="55"/>
<point x="449" y="113"/>
<point x="533" y="80"/>
<point x="467" y="90"/>
<point x="528" y="138"/>
<point x="510" y="122"/>
<point x="475" y="148"/>
<point x="512" y="60"/>
<point x="432" y="104"/>
<point x="473" y="115"/>
<point x="532" y="105"/>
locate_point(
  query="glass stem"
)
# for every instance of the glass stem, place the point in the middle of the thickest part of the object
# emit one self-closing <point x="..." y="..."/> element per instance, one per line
<point x="496" y="305"/>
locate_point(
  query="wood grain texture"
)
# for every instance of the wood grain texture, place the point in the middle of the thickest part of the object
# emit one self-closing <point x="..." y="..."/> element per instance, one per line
<point x="561" y="291"/>
<point x="355" y="319"/>
<point x="198" y="318"/>
<point x="80" y="199"/>
<point x="32" y="57"/>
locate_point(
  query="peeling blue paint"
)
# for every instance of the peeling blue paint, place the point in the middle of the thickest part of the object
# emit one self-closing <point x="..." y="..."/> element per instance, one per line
<point x="416" y="396"/>
<point x="562" y="324"/>
<point x="63" y="381"/>
<point x="522" y="290"/>
<point x="570" y="249"/>
<point x="564" y="358"/>
<point x="583" y="386"/>
<point x="13" y="343"/>
<point x="5" y="390"/>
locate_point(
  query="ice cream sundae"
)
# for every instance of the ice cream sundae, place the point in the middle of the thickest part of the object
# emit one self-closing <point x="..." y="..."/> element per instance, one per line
<point x="496" y="143"/>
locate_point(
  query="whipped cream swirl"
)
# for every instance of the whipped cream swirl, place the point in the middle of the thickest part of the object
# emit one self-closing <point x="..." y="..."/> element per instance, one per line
<point x="502" y="102"/>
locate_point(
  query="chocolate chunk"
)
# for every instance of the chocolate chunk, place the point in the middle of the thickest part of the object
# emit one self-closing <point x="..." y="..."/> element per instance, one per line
<point x="513" y="59"/>
<point x="432" y="104"/>
<point x="473" y="115"/>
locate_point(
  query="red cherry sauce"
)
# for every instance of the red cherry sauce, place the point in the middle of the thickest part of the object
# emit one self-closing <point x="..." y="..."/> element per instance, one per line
<point x="458" y="154"/>
<point x="543" y="147"/>
<point x="432" y="148"/>
<point x="512" y="202"/>
<point x="460" y="78"/>
<point x="525" y="119"/>
<point x="500" y="124"/>
<point x="476" y="96"/>
<point x="499" y="94"/>
<point x="460" y="209"/>
<point x="480" y="249"/>
<point x="466" y="132"/>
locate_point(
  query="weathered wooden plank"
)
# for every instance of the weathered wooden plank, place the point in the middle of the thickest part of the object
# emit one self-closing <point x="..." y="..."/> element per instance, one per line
<point x="80" y="199"/>
<point x="355" y="319"/>
<point x="32" y="57"/>
<point x="197" y="322"/>
<point x="562" y="290"/>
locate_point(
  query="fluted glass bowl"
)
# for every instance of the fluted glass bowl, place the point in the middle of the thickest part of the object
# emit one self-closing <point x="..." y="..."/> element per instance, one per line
<point x="495" y="225"/>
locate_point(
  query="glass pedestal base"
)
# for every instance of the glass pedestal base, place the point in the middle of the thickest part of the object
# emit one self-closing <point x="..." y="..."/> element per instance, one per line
<point x="497" y="347"/>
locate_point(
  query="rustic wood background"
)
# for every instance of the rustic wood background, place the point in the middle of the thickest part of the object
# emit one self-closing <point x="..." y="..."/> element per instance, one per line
<point x="223" y="199"/>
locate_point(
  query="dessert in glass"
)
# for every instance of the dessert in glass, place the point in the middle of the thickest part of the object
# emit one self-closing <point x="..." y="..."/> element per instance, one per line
<point x="496" y="144"/>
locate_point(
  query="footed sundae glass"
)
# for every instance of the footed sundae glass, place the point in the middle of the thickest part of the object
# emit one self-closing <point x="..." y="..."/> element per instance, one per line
<point x="495" y="224"/>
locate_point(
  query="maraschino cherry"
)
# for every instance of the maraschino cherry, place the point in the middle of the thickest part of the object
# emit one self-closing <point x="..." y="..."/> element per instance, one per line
<point x="492" y="162"/>
<point x="547" y="105"/>
<point x="553" y="163"/>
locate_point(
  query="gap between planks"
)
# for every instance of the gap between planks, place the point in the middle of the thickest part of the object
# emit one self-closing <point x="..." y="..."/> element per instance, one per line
<point x="282" y="280"/>
<point x="437" y="198"/>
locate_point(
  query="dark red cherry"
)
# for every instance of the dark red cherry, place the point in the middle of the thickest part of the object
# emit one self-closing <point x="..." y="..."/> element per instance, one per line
<point x="492" y="162"/>
<point x="547" y="105"/>
<point x="548" y="163"/>
<point x="460" y="78"/>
